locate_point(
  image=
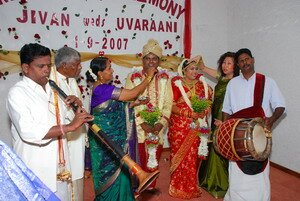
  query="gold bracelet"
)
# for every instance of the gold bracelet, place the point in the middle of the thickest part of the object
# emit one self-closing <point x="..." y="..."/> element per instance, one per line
<point x="149" y="78"/>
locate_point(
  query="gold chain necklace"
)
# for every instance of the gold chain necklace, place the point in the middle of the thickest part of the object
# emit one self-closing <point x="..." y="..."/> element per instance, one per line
<point x="190" y="86"/>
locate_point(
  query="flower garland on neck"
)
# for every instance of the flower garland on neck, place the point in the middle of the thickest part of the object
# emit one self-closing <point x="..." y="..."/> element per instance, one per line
<point x="162" y="76"/>
<point x="204" y="130"/>
<point x="151" y="138"/>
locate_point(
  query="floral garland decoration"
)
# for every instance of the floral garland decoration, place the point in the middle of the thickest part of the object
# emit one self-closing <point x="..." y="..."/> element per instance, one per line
<point x="203" y="126"/>
<point x="136" y="76"/>
<point x="93" y="74"/>
<point x="152" y="139"/>
<point x="151" y="115"/>
<point x="163" y="78"/>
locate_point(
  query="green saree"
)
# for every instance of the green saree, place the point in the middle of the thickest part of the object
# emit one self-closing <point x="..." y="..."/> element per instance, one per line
<point x="213" y="174"/>
<point x="111" y="178"/>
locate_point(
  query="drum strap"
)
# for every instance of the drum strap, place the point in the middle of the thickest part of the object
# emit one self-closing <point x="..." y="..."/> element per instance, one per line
<point x="253" y="167"/>
<point x="256" y="110"/>
<point x="259" y="89"/>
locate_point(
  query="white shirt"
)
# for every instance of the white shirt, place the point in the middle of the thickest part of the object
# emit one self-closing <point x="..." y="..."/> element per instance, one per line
<point x="28" y="106"/>
<point x="76" y="139"/>
<point x="240" y="95"/>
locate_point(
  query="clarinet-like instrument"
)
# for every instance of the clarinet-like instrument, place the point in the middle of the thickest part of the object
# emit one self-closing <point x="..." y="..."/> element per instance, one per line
<point x="145" y="178"/>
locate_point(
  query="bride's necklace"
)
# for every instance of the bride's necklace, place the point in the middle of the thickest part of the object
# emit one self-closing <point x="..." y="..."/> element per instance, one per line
<point x="190" y="86"/>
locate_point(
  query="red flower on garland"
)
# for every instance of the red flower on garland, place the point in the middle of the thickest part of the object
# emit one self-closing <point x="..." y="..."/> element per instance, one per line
<point x="135" y="76"/>
<point x="163" y="75"/>
<point x="150" y="107"/>
<point x="198" y="76"/>
<point x="150" y="114"/>
<point x="204" y="130"/>
<point x="202" y="157"/>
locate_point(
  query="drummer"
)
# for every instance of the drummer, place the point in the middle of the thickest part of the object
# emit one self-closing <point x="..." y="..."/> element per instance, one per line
<point x="247" y="96"/>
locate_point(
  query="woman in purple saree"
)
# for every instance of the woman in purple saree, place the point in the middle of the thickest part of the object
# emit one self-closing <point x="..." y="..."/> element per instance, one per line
<point x="111" y="178"/>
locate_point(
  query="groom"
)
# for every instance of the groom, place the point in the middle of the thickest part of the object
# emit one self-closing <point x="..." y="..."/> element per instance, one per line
<point x="160" y="94"/>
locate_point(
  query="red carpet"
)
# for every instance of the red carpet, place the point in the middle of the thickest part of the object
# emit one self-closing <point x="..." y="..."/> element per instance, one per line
<point x="284" y="187"/>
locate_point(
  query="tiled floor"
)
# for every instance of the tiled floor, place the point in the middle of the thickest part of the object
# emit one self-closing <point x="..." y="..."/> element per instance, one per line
<point x="284" y="187"/>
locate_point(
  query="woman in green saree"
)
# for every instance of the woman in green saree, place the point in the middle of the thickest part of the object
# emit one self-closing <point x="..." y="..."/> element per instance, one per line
<point x="213" y="174"/>
<point x="111" y="177"/>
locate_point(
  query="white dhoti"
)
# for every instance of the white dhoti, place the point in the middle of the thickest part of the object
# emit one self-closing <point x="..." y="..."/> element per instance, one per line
<point x="64" y="191"/>
<point x="243" y="187"/>
<point x="78" y="189"/>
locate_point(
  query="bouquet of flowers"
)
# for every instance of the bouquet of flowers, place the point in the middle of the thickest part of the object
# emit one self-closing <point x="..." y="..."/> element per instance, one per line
<point x="151" y="115"/>
<point x="200" y="105"/>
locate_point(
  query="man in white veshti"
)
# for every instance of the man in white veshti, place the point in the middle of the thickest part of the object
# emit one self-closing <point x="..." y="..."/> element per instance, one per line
<point x="249" y="180"/>
<point x="68" y="67"/>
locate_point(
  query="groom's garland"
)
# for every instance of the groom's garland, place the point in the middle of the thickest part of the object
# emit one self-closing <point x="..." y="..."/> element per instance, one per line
<point x="152" y="139"/>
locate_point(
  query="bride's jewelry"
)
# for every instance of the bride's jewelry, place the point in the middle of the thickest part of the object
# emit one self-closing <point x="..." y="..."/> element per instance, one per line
<point x="191" y="84"/>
